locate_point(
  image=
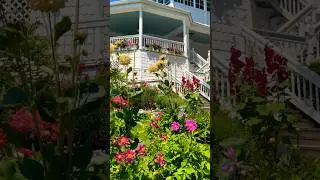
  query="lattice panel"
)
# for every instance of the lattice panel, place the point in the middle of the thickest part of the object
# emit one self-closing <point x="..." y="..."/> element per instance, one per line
<point x="15" y="10"/>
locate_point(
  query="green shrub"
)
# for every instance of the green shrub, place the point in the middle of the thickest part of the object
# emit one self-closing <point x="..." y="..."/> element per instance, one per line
<point x="315" y="66"/>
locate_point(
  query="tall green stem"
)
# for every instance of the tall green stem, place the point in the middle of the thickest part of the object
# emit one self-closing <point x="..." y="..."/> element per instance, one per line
<point x="53" y="51"/>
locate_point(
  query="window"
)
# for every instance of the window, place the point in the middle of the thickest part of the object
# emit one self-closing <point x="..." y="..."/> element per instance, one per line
<point x="200" y="4"/>
<point x="188" y="2"/>
<point x="208" y="5"/>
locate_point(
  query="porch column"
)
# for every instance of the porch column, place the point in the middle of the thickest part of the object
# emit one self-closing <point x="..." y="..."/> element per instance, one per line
<point x="194" y="3"/>
<point x="140" y="28"/>
<point x="186" y="38"/>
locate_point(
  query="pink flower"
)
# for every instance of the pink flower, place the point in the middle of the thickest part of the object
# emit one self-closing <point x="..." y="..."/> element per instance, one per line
<point x="190" y="125"/>
<point x="120" y="101"/>
<point x="175" y="126"/>
<point x="141" y="149"/>
<point x="159" y="113"/>
<point x="160" y="159"/>
<point x="3" y="139"/>
<point x="25" y="152"/>
<point x="154" y="124"/>
<point x="81" y="67"/>
<point x="119" y="157"/>
<point x="164" y="137"/>
<point x="156" y="118"/>
<point x="129" y="155"/>
<point x="22" y="121"/>
<point x="123" y="141"/>
<point x="231" y="153"/>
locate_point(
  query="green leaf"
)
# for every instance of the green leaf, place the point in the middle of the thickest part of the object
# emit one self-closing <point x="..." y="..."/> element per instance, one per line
<point x="232" y="141"/>
<point x="253" y="121"/>
<point x="63" y="26"/>
<point x="31" y="169"/>
<point x="129" y="70"/>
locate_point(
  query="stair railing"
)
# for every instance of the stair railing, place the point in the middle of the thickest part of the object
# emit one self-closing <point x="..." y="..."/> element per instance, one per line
<point x="306" y="11"/>
<point x="291" y="7"/>
<point x="305" y="84"/>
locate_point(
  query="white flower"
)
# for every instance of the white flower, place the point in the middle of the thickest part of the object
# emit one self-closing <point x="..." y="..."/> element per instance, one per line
<point x="99" y="157"/>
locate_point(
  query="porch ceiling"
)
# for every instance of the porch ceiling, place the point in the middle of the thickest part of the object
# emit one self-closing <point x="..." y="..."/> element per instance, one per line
<point x="197" y="37"/>
<point x="128" y="23"/>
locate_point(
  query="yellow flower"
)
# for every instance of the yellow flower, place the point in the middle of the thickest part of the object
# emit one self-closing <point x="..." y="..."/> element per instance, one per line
<point x="153" y="67"/>
<point x="162" y="57"/>
<point x="160" y="64"/>
<point x="124" y="59"/>
<point x="46" y="5"/>
<point x="119" y="43"/>
<point x="112" y="48"/>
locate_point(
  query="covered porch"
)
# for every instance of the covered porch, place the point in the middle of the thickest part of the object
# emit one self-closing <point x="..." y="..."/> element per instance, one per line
<point x="148" y="31"/>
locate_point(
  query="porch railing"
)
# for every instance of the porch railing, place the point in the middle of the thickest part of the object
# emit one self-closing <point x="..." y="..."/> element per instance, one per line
<point x="153" y="43"/>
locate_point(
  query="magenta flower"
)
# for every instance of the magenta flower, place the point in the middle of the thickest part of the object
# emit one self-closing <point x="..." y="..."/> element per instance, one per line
<point x="119" y="157"/>
<point x="141" y="149"/>
<point x="227" y="168"/>
<point x="123" y="141"/>
<point x="175" y="126"/>
<point x="231" y="153"/>
<point x="160" y="159"/>
<point x="129" y="155"/>
<point x="190" y="125"/>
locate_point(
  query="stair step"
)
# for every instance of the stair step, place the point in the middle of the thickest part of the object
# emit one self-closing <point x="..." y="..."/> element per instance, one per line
<point x="310" y="150"/>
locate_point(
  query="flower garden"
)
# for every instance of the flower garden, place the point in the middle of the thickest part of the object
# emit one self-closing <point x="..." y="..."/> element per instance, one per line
<point x="54" y="117"/>
<point x="155" y="132"/>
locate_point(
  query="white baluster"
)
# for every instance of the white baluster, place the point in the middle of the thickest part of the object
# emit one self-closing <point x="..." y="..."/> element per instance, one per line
<point x="299" y="87"/>
<point x="310" y="91"/>
<point x="317" y="99"/>
<point x="304" y="88"/>
<point x="293" y="83"/>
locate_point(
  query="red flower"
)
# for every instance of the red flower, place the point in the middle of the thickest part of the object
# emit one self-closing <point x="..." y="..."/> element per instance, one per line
<point x="22" y="121"/>
<point x="156" y="118"/>
<point x="164" y="137"/>
<point x="160" y="159"/>
<point x="120" y="101"/>
<point x="196" y="81"/>
<point x="123" y="141"/>
<point x="81" y="67"/>
<point x="129" y="155"/>
<point x="119" y="157"/>
<point x="159" y="113"/>
<point x="3" y="139"/>
<point x="49" y="132"/>
<point x="25" y="152"/>
<point x="154" y="124"/>
<point x="141" y="149"/>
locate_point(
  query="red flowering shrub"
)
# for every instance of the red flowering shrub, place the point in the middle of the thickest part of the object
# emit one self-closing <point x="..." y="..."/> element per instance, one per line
<point x="120" y="101"/>
<point x="191" y="85"/>
<point x="22" y="121"/>
<point x="276" y="68"/>
<point x="25" y="152"/>
<point x="3" y="139"/>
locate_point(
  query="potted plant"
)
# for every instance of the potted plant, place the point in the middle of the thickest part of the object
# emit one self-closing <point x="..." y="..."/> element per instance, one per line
<point x="132" y="45"/>
<point x="120" y="44"/>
